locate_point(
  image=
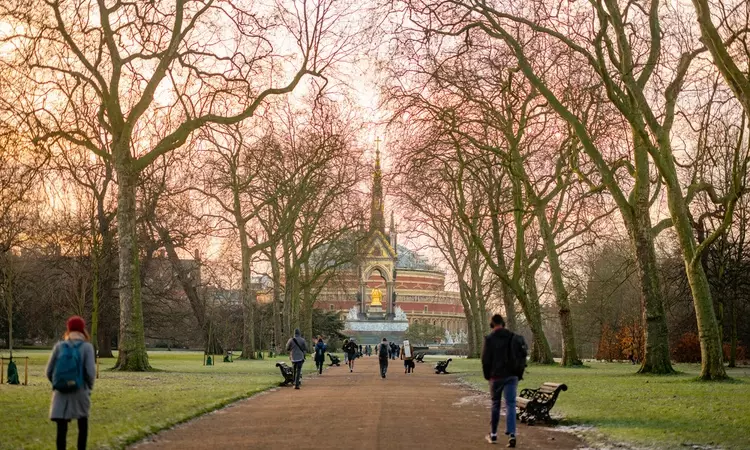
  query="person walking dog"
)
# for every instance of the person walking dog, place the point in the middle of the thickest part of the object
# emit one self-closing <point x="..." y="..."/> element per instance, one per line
<point x="71" y="370"/>
<point x="297" y="348"/>
<point x="503" y="363"/>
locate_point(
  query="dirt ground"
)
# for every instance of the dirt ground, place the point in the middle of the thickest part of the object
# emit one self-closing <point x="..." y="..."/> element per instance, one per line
<point x="357" y="411"/>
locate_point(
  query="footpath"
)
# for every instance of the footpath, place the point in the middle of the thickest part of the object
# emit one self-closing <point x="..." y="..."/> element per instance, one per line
<point x="359" y="410"/>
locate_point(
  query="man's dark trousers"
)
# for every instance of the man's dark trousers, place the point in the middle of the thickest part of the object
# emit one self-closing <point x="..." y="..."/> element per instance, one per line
<point x="383" y="366"/>
<point x="297" y="366"/>
<point x="504" y="386"/>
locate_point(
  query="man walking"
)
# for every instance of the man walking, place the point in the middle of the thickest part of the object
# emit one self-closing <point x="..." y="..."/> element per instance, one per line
<point x="297" y="348"/>
<point x="503" y="363"/>
<point x="350" y="348"/>
<point x="320" y="354"/>
<point x="383" y="357"/>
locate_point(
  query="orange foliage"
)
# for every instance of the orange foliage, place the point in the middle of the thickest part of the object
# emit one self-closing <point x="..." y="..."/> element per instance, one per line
<point x="632" y="341"/>
<point x="610" y="347"/>
<point x="620" y="344"/>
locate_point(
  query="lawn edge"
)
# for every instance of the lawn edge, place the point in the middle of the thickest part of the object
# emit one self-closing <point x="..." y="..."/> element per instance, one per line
<point x="124" y="443"/>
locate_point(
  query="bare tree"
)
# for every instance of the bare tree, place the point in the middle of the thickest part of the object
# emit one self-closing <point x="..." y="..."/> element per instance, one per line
<point x="728" y="42"/>
<point x="182" y="65"/>
<point x="623" y="52"/>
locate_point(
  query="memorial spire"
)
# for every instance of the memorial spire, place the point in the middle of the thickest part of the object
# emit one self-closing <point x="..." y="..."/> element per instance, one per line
<point x="377" y="205"/>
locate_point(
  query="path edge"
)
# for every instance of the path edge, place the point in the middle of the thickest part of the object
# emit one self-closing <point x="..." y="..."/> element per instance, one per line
<point x="141" y="437"/>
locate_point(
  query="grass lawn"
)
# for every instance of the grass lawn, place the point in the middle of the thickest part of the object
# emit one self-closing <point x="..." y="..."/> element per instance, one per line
<point x="666" y="412"/>
<point x="129" y="406"/>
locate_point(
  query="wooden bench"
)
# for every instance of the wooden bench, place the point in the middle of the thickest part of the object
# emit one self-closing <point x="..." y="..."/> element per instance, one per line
<point x="442" y="366"/>
<point x="419" y="357"/>
<point x="335" y="360"/>
<point x="286" y="372"/>
<point x="535" y="404"/>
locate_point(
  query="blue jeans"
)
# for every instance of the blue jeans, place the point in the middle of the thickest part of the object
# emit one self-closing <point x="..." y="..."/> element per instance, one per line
<point x="504" y="387"/>
<point x="297" y="367"/>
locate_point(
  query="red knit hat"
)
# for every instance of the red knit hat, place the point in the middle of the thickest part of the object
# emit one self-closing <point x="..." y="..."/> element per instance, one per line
<point x="76" y="323"/>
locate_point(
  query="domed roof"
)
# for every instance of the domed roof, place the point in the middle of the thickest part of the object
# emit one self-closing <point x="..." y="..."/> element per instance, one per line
<point x="411" y="260"/>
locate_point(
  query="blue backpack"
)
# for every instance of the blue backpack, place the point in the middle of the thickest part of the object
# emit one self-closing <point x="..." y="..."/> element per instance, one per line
<point x="68" y="373"/>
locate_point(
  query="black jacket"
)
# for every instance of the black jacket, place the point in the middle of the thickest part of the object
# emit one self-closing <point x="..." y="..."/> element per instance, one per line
<point x="383" y="351"/>
<point x="351" y="347"/>
<point x="496" y="354"/>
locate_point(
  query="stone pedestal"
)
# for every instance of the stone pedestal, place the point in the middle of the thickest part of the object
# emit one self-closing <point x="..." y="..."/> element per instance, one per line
<point x="374" y="325"/>
<point x="375" y="312"/>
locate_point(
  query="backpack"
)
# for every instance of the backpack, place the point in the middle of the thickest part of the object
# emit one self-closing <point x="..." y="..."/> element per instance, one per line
<point x="320" y="350"/>
<point x="68" y="373"/>
<point x="518" y="351"/>
<point x="383" y="352"/>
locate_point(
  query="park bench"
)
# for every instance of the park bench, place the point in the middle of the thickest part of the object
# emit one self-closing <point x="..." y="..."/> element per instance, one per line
<point x="335" y="360"/>
<point x="286" y="372"/>
<point x="419" y="357"/>
<point x="442" y="366"/>
<point x="535" y="404"/>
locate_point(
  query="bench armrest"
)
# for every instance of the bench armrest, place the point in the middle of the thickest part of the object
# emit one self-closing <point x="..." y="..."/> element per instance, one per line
<point x="528" y="393"/>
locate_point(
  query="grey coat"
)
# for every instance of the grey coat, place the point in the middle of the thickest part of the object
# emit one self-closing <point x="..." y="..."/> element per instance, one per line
<point x="296" y="354"/>
<point x="73" y="405"/>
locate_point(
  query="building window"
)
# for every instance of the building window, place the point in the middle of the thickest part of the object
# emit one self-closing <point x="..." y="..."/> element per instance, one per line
<point x="330" y="307"/>
<point x="425" y="308"/>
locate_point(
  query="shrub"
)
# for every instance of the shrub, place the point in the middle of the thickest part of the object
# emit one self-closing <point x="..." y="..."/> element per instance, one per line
<point x="687" y="349"/>
<point x="741" y="352"/>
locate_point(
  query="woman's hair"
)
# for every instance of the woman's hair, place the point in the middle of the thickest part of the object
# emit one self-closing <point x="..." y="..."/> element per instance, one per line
<point x="84" y="333"/>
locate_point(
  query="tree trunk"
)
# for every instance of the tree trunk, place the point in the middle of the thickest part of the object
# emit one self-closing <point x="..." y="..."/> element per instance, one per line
<point x="712" y="359"/>
<point x="657" y="358"/>
<point x="542" y="353"/>
<point x="107" y="316"/>
<point x="570" y="353"/>
<point x="277" y="301"/>
<point x="307" y="322"/>
<point x="132" y="354"/>
<point x="480" y="326"/>
<point x="474" y="350"/>
<point x="105" y="343"/>
<point x="510" y="310"/>
<point x="248" y="300"/>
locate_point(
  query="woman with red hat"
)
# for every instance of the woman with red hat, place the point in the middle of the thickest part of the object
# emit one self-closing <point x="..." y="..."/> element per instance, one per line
<point x="71" y="370"/>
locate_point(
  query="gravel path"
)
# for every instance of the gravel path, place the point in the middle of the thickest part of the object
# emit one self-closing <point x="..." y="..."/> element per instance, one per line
<point x="357" y="411"/>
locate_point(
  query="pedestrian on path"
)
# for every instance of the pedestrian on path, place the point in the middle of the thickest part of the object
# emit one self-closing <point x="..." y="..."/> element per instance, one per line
<point x="383" y="357"/>
<point x="297" y="348"/>
<point x="408" y="358"/>
<point x="71" y="370"/>
<point x="503" y="362"/>
<point x="346" y="354"/>
<point x="320" y="354"/>
<point x="350" y="348"/>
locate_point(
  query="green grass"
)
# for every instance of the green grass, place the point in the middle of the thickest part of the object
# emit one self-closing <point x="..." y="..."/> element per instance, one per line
<point x="128" y="406"/>
<point x="666" y="412"/>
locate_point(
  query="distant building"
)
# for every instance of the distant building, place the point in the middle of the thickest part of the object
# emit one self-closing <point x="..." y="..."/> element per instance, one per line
<point x="403" y="278"/>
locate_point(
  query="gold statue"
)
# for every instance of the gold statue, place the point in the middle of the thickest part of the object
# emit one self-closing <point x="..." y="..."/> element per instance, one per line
<point x="376" y="297"/>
